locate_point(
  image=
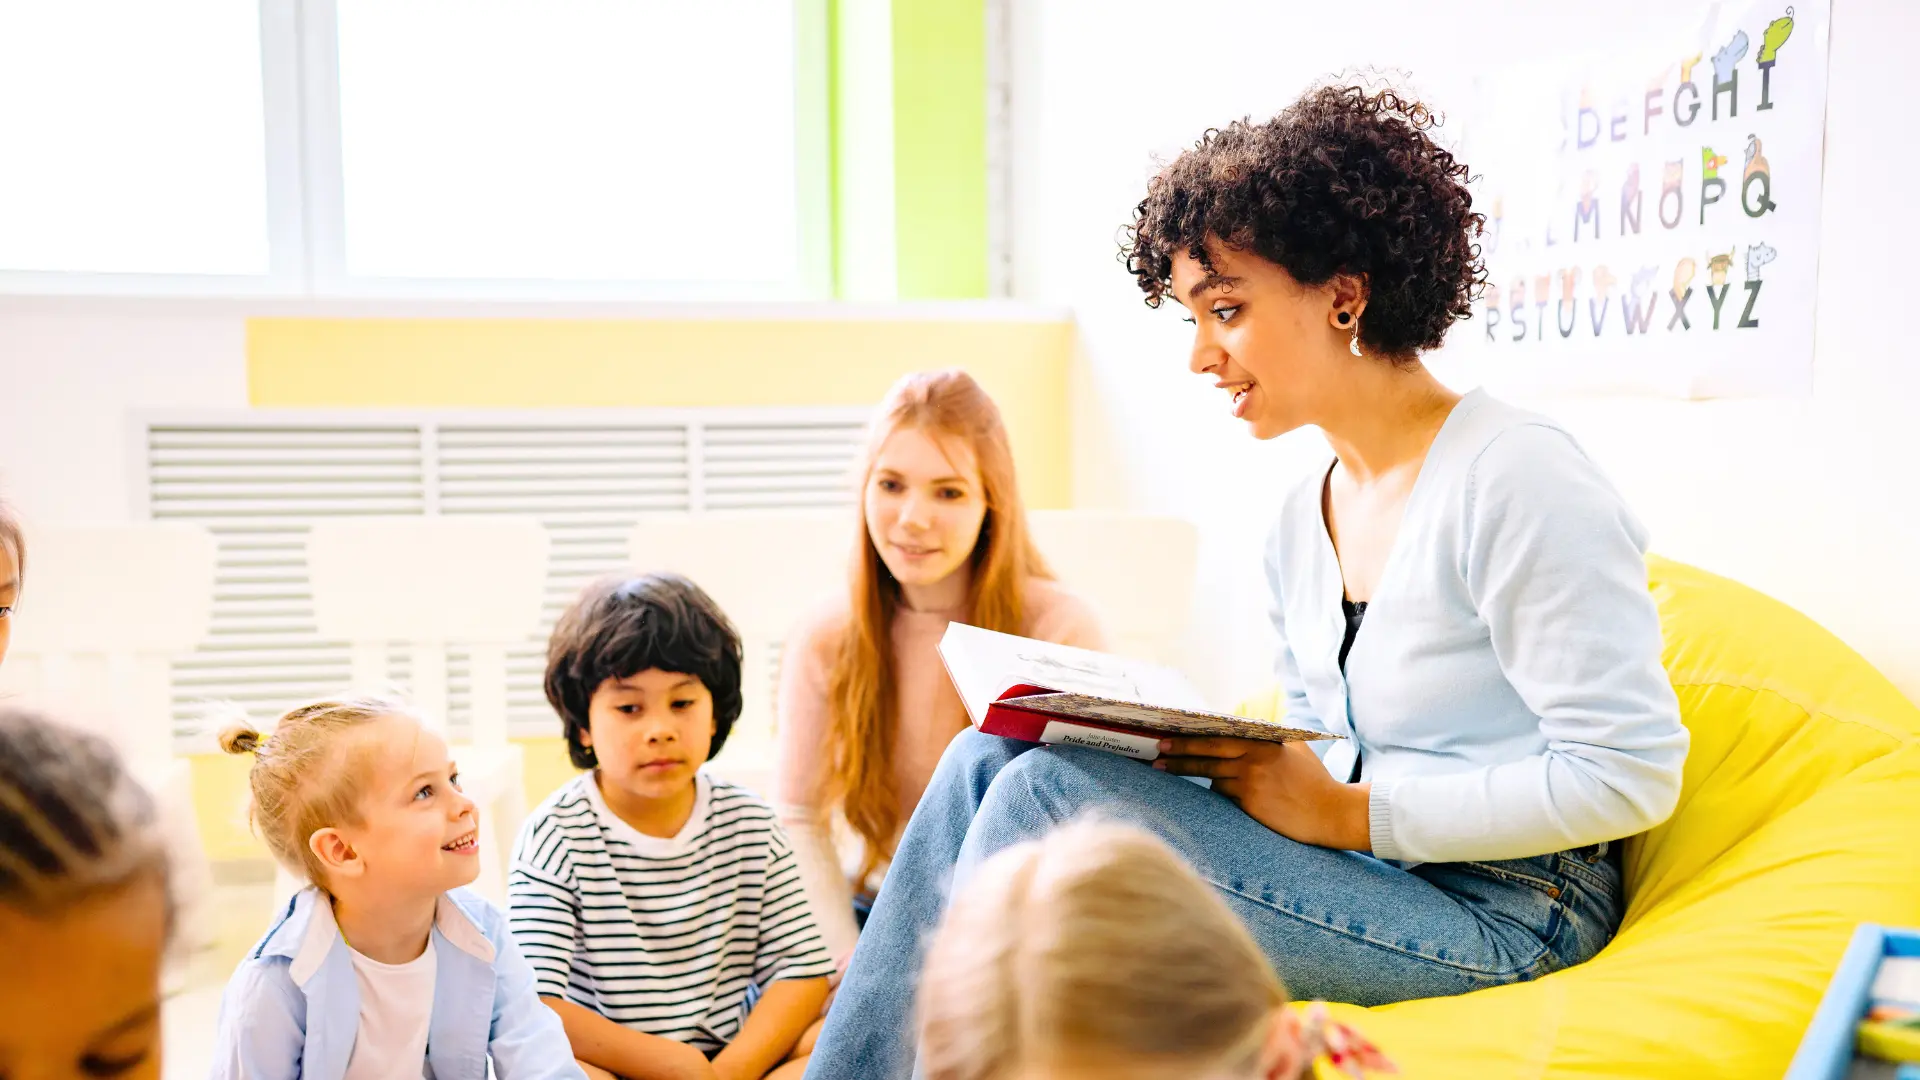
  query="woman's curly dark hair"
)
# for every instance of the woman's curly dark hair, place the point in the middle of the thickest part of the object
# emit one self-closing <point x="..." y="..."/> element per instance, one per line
<point x="1345" y="181"/>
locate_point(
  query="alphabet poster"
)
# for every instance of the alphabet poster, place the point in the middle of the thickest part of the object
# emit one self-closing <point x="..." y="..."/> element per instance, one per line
<point x="1653" y="219"/>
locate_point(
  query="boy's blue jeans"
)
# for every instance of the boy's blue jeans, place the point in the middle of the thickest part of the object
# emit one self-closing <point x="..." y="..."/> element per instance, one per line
<point x="1337" y="925"/>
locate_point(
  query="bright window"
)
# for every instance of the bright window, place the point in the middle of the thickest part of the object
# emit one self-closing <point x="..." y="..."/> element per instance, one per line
<point x="503" y="149"/>
<point x="132" y="137"/>
<point x="569" y="140"/>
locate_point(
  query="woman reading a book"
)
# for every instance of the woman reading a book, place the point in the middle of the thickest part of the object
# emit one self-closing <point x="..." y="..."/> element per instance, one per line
<point x="1459" y="594"/>
<point x="865" y="708"/>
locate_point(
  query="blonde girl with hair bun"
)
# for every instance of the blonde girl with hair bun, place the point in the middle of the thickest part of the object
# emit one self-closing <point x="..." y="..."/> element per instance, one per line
<point x="384" y="965"/>
<point x="1097" y="953"/>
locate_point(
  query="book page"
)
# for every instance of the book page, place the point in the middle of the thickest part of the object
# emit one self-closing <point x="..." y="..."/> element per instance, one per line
<point x="1898" y="980"/>
<point x="1162" y="720"/>
<point x="1095" y="673"/>
<point x="985" y="664"/>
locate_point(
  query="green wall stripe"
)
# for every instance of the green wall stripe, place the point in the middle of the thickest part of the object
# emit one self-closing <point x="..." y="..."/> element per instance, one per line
<point x="940" y="147"/>
<point x="835" y="216"/>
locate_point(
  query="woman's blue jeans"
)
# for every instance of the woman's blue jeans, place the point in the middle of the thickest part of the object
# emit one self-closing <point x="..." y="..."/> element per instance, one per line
<point x="1337" y="925"/>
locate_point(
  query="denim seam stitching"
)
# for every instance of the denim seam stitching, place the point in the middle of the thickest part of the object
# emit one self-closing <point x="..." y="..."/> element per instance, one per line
<point x="1586" y="876"/>
<point x="1544" y="885"/>
<point x="1530" y="965"/>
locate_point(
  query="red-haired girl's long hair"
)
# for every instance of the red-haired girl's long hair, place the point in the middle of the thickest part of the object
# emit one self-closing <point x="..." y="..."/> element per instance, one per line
<point x="860" y="687"/>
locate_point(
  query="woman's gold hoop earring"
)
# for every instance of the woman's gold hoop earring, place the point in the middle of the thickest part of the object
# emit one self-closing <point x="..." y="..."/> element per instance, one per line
<point x="1354" y="345"/>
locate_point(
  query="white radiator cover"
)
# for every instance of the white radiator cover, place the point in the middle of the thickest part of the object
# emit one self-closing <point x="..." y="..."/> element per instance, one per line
<point x="258" y="478"/>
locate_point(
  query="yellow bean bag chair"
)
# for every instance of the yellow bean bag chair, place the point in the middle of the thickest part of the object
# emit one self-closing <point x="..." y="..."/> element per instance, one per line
<point x="1799" y="819"/>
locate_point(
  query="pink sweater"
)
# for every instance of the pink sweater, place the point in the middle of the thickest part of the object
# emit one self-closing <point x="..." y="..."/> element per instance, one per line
<point x="929" y="715"/>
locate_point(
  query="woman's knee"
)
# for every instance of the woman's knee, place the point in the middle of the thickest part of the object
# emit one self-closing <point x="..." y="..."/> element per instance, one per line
<point x="974" y="745"/>
<point x="1057" y="784"/>
<point x="1062" y="782"/>
<point x="967" y="766"/>
<point x="978" y="757"/>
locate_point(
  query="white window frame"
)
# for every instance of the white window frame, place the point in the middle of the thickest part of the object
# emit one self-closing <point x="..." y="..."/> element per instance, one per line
<point x="306" y="214"/>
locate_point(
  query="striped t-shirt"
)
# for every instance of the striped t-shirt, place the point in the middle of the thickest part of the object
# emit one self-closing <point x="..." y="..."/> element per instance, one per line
<point x="676" y="937"/>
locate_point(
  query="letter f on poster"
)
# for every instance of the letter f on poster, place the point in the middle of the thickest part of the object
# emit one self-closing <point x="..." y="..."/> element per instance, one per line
<point x="1713" y="126"/>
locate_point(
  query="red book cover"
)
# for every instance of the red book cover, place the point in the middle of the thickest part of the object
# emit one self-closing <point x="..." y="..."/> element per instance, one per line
<point x="1009" y="718"/>
<point x="1037" y="691"/>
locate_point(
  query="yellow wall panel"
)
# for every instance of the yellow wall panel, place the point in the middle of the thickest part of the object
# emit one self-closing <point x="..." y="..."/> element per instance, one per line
<point x="548" y="766"/>
<point x="546" y="363"/>
<point x="220" y="804"/>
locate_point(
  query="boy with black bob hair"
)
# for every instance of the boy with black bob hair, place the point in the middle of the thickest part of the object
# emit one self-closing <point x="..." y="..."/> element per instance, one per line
<point x="620" y="626"/>
<point x="702" y="959"/>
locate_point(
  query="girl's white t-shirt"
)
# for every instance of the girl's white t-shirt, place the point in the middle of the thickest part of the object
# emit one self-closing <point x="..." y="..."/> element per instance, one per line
<point x="396" y="1006"/>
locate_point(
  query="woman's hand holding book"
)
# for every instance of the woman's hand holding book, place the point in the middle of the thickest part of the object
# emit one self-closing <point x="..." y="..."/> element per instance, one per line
<point x="1283" y="786"/>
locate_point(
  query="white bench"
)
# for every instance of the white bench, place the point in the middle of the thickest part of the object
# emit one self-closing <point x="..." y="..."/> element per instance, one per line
<point x="103" y="612"/>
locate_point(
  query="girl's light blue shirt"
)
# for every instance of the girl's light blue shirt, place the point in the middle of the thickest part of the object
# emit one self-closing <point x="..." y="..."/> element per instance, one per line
<point x="292" y="1008"/>
<point x="1504" y="693"/>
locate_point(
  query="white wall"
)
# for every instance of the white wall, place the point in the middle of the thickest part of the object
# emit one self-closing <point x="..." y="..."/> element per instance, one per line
<point x="71" y="372"/>
<point x="1814" y="500"/>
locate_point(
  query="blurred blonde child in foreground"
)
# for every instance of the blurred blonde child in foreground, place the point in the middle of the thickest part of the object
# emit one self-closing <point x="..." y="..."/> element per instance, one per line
<point x="1097" y="953"/>
<point x="385" y="966"/>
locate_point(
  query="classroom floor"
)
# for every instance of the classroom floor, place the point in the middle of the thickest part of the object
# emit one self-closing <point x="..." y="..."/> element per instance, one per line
<point x="238" y="915"/>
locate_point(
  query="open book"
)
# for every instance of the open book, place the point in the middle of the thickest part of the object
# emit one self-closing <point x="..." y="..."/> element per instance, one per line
<point x="1037" y="691"/>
